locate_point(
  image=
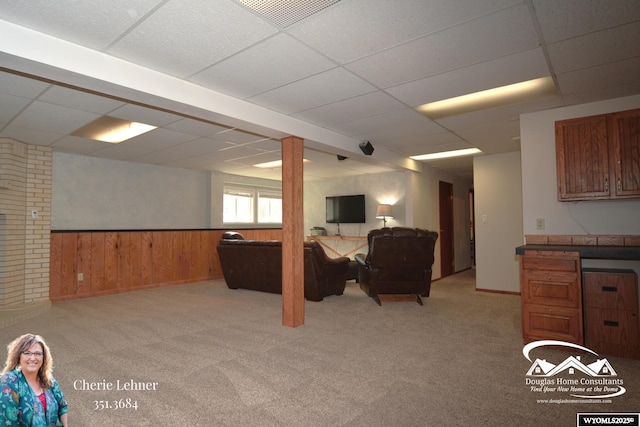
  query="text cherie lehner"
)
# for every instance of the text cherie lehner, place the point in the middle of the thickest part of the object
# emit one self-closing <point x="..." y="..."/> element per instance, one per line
<point x="104" y="385"/>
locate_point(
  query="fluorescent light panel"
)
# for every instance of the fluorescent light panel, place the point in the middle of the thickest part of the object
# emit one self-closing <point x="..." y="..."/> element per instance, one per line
<point x="274" y="164"/>
<point x="447" y="154"/>
<point x="491" y="98"/>
<point x="110" y="129"/>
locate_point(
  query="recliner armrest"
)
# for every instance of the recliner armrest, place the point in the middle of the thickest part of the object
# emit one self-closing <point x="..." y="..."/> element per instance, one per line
<point x="337" y="261"/>
<point x="361" y="259"/>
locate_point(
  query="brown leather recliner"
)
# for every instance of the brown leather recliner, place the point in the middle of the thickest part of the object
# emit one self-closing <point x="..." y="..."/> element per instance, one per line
<point x="399" y="261"/>
<point x="257" y="265"/>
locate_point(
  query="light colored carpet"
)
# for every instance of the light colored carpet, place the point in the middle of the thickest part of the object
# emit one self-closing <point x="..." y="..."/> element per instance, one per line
<point x="221" y="357"/>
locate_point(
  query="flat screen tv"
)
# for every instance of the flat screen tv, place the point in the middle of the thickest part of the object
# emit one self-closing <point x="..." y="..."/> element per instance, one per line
<point x="346" y="209"/>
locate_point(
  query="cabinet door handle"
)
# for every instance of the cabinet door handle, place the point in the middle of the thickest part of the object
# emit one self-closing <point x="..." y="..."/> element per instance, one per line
<point x="619" y="185"/>
<point x="606" y="185"/>
<point x="610" y="323"/>
<point x="609" y="289"/>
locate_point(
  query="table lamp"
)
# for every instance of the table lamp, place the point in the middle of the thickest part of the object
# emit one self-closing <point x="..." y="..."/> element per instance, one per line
<point x="383" y="212"/>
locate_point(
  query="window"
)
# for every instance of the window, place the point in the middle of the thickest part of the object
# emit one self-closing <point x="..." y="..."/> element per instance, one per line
<point x="252" y="205"/>
<point x="269" y="206"/>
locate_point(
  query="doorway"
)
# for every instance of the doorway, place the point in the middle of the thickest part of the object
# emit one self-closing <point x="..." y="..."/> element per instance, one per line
<point x="447" y="262"/>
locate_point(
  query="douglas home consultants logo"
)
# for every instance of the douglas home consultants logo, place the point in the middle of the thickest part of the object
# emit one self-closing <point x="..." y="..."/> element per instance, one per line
<point x="575" y="378"/>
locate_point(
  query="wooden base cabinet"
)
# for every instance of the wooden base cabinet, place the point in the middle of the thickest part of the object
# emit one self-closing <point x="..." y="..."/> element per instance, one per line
<point x="551" y="296"/>
<point x="611" y="321"/>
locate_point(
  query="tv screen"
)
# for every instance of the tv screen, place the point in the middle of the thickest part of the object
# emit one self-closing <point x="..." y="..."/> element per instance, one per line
<point x="346" y="209"/>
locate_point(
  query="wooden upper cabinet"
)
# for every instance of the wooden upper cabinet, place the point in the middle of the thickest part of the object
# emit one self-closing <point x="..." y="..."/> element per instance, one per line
<point x="625" y="140"/>
<point x="582" y="158"/>
<point x="598" y="156"/>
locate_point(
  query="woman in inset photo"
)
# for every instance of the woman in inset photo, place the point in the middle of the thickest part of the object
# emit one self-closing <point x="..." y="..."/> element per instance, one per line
<point x="29" y="395"/>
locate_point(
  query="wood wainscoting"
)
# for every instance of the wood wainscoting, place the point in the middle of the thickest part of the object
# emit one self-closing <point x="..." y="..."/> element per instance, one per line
<point x="93" y="263"/>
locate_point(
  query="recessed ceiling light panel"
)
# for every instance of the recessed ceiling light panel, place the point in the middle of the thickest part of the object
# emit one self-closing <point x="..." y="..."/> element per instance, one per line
<point x="447" y="154"/>
<point x="491" y="98"/>
<point x="110" y="129"/>
<point x="286" y="12"/>
<point x="274" y="164"/>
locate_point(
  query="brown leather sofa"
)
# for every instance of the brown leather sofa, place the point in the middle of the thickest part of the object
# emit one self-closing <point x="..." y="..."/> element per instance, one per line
<point x="398" y="262"/>
<point x="257" y="265"/>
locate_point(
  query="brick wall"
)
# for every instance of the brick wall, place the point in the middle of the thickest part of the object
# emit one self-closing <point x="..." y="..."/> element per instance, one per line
<point x="25" y="185"/>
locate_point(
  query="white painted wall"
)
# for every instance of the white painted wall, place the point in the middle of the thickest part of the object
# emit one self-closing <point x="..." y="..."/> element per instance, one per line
<point x="426" y="212"/>
<point x="414" y="197"/>
<point x="100" y="194"/>
<point x="539" y="182"/>
<point x="498" y="220"/>
<point x="89" y="193"/>
<point x="377" y="188"/>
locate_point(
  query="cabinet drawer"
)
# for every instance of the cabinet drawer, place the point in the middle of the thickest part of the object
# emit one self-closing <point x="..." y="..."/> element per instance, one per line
<point x="551" y="288"/>
<point x="552" y="323"/>
<point x="549" y="263"/>
<point x="612" y="332"/>
<point x="610" y="289"/>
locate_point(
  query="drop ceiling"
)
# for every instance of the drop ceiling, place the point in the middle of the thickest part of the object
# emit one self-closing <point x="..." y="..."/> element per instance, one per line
<point x="224" y="83"/>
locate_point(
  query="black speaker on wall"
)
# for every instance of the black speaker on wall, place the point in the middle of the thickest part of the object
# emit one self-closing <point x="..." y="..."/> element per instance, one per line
<point x="341" y="157"/>
<point x="366" y="147"/>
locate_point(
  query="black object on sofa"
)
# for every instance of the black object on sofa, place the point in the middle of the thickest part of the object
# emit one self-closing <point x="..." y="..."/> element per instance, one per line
<point x="257" y="265"/>
<point x="398" y="262"/>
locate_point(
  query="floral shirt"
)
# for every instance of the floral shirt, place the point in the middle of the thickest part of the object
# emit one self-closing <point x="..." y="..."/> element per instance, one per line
<point x="19" y="405"/>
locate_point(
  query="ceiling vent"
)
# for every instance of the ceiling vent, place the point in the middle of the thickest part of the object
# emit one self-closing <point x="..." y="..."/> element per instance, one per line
<point x="286" y="12"/>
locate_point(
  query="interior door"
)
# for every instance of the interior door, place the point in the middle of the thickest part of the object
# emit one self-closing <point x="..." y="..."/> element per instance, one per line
<point x="447" y="267"/>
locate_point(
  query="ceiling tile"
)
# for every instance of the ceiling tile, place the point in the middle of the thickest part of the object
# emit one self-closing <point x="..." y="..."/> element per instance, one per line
<point x="359" y="28"/>
<point x="236" y="136"/>
<point x="324" y="88"/>
<point x="31" y="136"/>
<point x="476" y="41"/>
<point x="159" y="139"/>
<point x="77" y="145"/>
<point x="272" y="63"/>
<point x="621" y="73"/>
<point x="121" y="152"/>
<point x="235" y="152"/>
<point x="560" y="20"/>
<point x="431" y="144"/>
<point x="141" y="114"/>
<point x="199" y="146"/>
<point x="500" y="114"/>
<point x="53" y="118"/>
<point x="254" y="159"/>
<point x="91" y="23"/>
<point x="595" y="48"/>
<point x="370" y="104"/>
<point x="398" y="121"/>
<point x="183" y="37"/>
<point x="78" y="100"/>
<point x="10" y="106"/>
<point x="266" y="145"/>
<point x="195" y="127"/>
<point x="521" y="66"/>
<point x="13" y="84"/>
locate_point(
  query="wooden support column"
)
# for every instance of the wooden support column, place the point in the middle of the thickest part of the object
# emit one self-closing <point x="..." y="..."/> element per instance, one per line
<point x="292" y="232"/>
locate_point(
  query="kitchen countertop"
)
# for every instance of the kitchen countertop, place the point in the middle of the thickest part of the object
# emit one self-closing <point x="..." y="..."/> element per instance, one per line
<point x="593" y="252"/>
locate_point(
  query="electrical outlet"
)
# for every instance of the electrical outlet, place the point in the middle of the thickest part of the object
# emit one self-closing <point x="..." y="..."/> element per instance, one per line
<point x="34" y="213"/>
<point x="540" y="223"/>
<point x="80" y="277"/>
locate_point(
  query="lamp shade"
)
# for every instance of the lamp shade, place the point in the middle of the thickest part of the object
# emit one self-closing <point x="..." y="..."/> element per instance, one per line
<point x="384" y="212"/>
